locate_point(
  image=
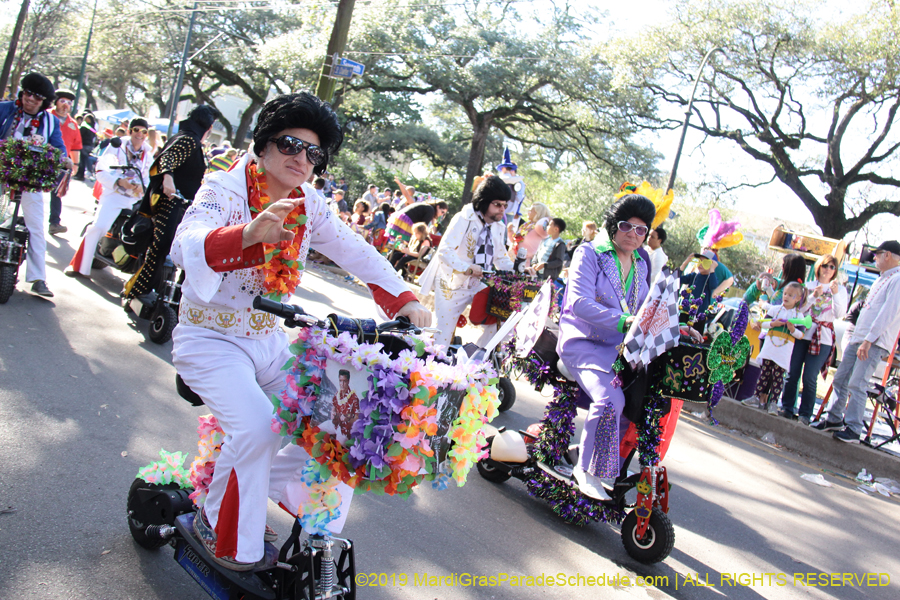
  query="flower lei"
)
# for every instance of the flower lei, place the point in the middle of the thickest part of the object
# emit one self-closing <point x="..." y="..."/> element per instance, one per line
<point x="168" y="469"/>
<point x="390" y="443"/>
<point x="20" y="114"/>
<point x="282" y="267"/>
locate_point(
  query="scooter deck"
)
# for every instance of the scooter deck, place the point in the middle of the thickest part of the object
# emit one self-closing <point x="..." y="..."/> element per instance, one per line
<point x="218" y="581"/>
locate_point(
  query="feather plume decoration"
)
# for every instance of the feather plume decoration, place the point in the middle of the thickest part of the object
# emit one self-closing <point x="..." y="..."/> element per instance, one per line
<point x="662" y="201"/>
<point x="721" y="234"/>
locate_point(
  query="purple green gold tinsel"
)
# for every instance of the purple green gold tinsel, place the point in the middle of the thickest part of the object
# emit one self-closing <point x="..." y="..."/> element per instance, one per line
<point x="741" y="346"/>
<point x="27" y="167"/>
<point x="649" y="432"/>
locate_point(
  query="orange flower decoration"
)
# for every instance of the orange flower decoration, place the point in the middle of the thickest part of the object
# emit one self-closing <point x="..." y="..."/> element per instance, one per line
<point x="281" y="270"/>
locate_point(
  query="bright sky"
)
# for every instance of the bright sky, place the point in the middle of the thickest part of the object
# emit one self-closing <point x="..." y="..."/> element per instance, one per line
<point x="698" y="163"/>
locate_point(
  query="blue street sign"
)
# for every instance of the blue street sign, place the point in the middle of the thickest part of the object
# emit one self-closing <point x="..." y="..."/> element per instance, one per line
<point x="342" y="71"/>
<point x="358" y="68"/>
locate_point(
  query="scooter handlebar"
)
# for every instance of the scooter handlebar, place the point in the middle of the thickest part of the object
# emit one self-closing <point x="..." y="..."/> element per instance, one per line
<point x="293" y="316"/>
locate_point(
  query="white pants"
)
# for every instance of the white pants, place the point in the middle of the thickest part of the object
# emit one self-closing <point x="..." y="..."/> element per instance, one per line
<point x="448" y="305"/>
<point x="33" y="211"/>
<point x="107" y="212"/>
<point x="236" y="378"/>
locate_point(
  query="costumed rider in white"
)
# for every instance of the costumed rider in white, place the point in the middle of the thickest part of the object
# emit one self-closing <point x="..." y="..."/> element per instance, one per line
<point x="473" y="243"/>
<point x="509" y="174"/>
<point x="27" y="118"/>
<point x="230" y="354"/>
<point x="121" y="190"/>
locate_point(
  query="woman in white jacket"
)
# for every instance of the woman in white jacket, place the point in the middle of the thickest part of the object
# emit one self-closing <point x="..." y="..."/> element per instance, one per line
<point x="826" y="301"/>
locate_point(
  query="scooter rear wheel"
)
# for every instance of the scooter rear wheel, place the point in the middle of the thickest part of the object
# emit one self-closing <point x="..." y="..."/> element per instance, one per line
<point x="658" y="540"/>
<point x="7" y="282"/>
<point x="159" y="508"/>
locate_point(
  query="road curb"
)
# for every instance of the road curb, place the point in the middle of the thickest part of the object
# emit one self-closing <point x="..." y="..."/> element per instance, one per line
<point x="815" y="444"/>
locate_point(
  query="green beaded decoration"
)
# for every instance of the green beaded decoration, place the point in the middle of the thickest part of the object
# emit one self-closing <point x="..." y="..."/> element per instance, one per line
<point x="725" y="357"/>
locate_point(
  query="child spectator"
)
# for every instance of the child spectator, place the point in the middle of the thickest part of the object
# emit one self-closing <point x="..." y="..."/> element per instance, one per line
<point x="778" y="347"/>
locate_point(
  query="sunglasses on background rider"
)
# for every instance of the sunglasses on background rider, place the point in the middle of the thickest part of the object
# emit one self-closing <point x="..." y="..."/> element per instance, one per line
<point x="291" y="146"/>
<point x="625" y="227"/>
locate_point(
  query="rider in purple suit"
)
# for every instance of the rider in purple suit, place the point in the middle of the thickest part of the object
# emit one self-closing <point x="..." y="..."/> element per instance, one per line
<point x="607" y="285"/>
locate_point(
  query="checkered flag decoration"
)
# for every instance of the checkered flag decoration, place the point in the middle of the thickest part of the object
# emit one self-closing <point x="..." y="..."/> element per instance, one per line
<point x="655" y="329"/>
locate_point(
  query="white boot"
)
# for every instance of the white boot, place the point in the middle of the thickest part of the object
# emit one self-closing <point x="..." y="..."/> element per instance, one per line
<point x="590" y="485"/>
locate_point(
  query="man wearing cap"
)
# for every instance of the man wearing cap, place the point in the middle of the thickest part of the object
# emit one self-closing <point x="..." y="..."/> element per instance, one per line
<point x="872" y="340"/>
<point x="704" y="281"/>
<point x="72" y="139"/>
<point x="121" y="190"/>
<point x="27" y="118"/>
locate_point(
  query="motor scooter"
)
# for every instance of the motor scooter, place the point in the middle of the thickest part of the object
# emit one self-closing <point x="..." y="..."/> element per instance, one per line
<point x="160" y="306"/>
<point x="313" y="568"/>
<point x="543" y="457"/>
<point x="13" y="243"/>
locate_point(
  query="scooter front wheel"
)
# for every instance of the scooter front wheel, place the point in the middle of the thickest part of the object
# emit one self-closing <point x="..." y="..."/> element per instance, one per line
<point x="492" y="474"/>
<point x="658" y="539"/>
<point x="162" y="324"/>
<point x="507" y="394"/>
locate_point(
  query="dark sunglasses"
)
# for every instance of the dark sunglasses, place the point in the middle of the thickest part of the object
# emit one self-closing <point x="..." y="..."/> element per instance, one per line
<point x="33" y="95"/>
<point x="291" y="146"/>
<point x="139" y="130"/>
<point x="625" y="227"/>
<point x="829" y="266"/>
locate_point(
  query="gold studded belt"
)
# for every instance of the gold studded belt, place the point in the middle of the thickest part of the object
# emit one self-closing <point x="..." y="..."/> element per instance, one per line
<point x="239" y="322"/>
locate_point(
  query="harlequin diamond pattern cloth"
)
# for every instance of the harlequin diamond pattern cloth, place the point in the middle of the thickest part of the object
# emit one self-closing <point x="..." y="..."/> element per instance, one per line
<point x="655" y="329"/>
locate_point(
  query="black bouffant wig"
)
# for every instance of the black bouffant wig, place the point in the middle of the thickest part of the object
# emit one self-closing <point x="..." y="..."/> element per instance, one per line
<point x="303" y="110"/>
<point x="491" y="188"/>
<point x="38" y="84"/>
<point x="632" y="205"/>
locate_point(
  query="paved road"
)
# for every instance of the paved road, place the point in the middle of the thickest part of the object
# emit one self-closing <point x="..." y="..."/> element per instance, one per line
<point x="86" y="400"/>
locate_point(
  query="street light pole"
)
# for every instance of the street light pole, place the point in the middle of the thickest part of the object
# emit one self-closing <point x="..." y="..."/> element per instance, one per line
<point x="13" y="44"/>
<point x="176" y="91"/>
<point x="87" y="48"/>
<point x="687" y="116"/>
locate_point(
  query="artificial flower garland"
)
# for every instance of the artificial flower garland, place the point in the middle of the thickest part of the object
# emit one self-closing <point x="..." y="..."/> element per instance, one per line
<point x="389" y="450"/>
<point x="282" y="267"/>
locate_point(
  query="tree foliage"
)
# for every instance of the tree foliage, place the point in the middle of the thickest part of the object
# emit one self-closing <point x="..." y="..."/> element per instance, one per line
<point x="812" y="100"/>
<point x="535" y="86"/>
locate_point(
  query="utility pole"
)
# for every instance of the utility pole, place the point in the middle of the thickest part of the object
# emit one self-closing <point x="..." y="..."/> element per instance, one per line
<point x="13" y="45"/>
<point x="87" y="48"/>
<point x="336" y="46"/>
<point x="176" y="91"/>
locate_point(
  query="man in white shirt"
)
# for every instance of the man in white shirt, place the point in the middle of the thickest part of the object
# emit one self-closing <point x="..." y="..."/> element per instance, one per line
<point x="871" y="342"/>
<point x="658" y="257"/>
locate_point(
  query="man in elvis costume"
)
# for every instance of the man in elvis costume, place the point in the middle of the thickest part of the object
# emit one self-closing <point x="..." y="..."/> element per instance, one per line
<point x="230" y="354"/>
<point x="474" y="242"/>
